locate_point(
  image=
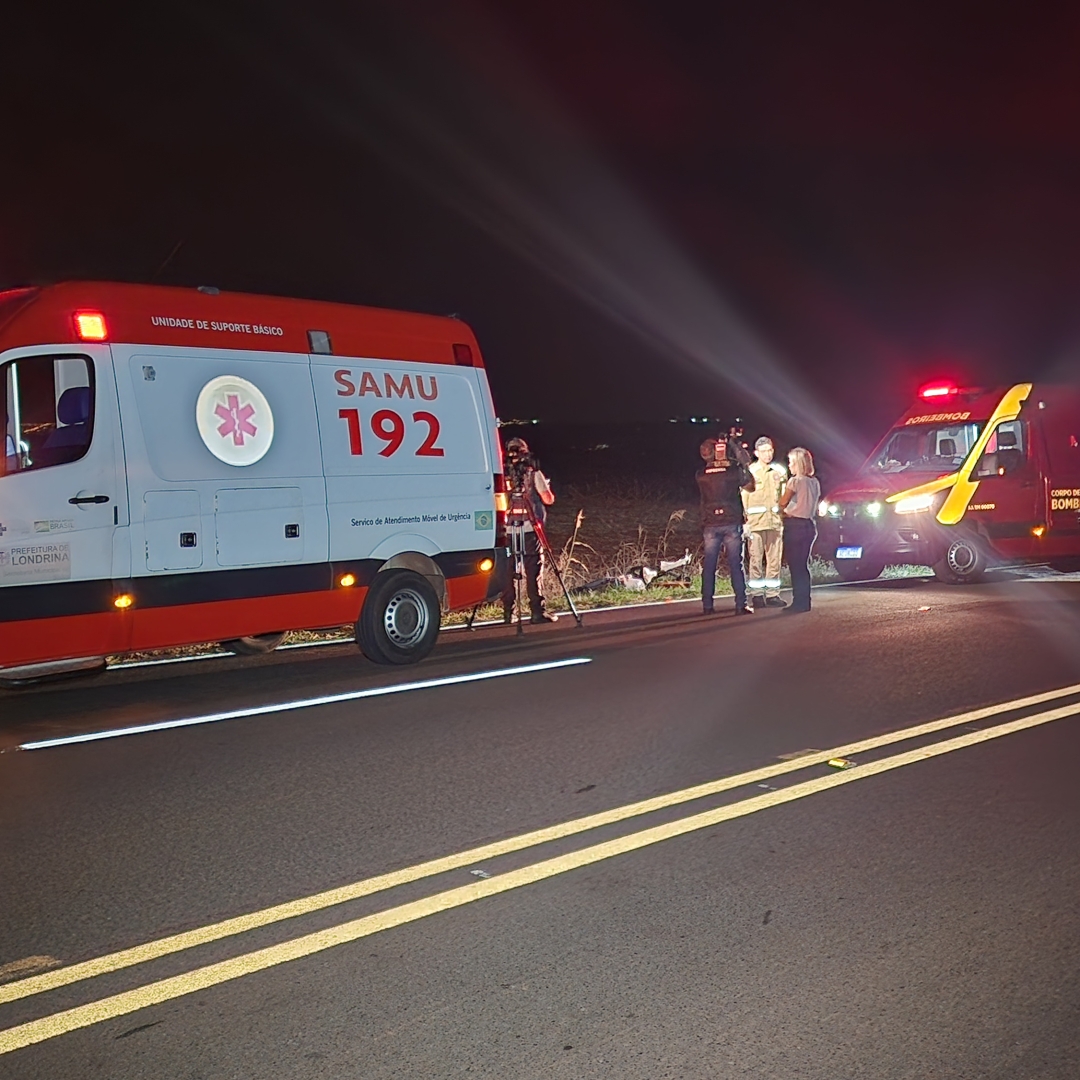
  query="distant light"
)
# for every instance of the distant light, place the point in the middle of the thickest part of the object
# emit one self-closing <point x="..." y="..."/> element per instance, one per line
<point x="485" y="566"/>
<point x="123" y="601"/>
<point x="90" y="326"/>
<point x="347" y="581"/>
<point x="938" y="390"/>
<point x="873" y="509"/>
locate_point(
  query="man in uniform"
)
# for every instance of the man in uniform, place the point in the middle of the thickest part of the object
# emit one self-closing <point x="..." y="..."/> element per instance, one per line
<point x="530" y="496"/>
<point x="725" y="474"/>
<point x="764" y="528"/>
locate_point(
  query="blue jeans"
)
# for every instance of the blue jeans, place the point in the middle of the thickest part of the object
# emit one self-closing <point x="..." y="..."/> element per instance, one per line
<point x="728" y="537"/>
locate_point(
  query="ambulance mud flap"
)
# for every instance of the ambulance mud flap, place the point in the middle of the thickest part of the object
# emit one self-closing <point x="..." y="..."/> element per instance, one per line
<point x="399" y="622"/>
<point x="254" y="645"/>
<point x="11" y="678"/>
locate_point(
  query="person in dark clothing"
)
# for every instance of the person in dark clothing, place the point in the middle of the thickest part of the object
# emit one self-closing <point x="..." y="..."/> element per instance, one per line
<point x="799" y="504"/>
<point x="721" y="482"/>
<point x="530" y="496"/>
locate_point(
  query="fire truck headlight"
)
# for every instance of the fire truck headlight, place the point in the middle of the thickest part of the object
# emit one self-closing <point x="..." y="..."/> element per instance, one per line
<point x="914" y="504"/>
<point x="873" y="509"/>
<point x="828" y="509"/>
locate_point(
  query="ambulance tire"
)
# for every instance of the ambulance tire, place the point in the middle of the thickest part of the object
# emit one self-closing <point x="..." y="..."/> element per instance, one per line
<point x="859" y="569"/>
<point x="964" y="562"/>
<point x="399" y="622"/>
<point x="256" y="645"/>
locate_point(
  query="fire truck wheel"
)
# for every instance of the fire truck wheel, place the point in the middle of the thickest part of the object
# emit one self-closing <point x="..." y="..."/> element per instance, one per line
<point x="963" y="563"/>
<point x="255" y="645"/>
<point x="859" y="569"/>
<point x="399" y="621"/>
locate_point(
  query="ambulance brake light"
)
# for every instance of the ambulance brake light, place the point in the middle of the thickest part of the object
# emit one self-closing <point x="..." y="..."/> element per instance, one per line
<point x="90" y="326"/>
<point x="938" y="390"/>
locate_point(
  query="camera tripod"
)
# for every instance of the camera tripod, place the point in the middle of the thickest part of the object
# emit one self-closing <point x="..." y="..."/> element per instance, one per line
<point x="517" y="533"/>
<point x="519" y="510"/>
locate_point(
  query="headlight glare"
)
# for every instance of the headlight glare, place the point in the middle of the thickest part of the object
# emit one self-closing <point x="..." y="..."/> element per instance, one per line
<point x="914" y="504"/>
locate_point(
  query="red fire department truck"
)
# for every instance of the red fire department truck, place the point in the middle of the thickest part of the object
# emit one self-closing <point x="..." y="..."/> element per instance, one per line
<point x="966" y="478"/>
<point x="185" y="465"/>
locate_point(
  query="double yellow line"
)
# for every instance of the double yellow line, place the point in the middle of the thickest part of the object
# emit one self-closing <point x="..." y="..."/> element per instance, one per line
<point x="202" y="978"/>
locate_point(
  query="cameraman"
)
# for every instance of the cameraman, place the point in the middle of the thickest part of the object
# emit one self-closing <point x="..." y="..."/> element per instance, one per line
<point x="530" y="496"/>
<point x="721" y="483"/>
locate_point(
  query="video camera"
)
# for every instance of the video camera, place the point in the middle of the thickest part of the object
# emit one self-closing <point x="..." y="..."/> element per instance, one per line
<point x="517" y="462"/>
<point x="730" y="444"/>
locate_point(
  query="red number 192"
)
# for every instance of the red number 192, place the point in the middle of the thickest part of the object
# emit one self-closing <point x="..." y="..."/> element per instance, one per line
<point x="389" y="427"/>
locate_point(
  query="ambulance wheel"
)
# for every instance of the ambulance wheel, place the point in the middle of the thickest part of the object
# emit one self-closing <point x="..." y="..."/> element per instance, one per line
<point x="255" y="645"/>
<point x="859" y="569"/>
<point x="399" y="621"/>
<point x="963" y="563"/>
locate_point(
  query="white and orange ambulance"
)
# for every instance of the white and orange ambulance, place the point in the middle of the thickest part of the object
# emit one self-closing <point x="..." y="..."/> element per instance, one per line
<point x="183" y="466"/>
<point x="965" y="479"/>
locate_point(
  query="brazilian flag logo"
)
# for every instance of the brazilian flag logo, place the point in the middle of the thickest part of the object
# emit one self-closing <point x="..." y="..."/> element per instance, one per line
<point x="483" y="520"/>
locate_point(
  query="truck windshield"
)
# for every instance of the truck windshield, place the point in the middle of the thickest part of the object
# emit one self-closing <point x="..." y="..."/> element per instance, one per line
<point x="930" y="448"/>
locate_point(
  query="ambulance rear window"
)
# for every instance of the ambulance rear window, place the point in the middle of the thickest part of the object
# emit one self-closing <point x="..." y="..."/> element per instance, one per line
<point x="48" y="411"/>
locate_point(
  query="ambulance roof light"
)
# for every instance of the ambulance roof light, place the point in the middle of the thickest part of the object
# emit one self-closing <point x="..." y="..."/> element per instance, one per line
<point x="90" y="326"/>
<point x="938" y="390"/>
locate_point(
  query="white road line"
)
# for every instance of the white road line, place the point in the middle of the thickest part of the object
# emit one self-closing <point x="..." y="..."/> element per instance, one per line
<point x="305" y="703"/>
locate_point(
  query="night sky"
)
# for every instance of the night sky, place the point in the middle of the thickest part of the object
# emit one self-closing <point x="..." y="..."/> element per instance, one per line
<point x="642" y="209"/>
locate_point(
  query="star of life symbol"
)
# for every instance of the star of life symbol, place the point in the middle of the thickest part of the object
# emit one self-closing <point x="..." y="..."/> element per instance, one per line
<point x="237" y="419"/>
<point x="234" y="420"/>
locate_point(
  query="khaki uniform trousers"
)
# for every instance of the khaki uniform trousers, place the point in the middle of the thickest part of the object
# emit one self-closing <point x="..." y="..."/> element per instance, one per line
<point x="766" y="547"/>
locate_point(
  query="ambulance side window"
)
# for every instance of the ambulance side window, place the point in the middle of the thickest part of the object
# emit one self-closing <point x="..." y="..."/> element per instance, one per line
<point x="48" y="411"/>
<point x="1005" y="453"/>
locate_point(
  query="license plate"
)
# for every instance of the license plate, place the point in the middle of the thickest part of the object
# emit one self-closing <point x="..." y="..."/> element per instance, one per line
<point x="849" y="552"/>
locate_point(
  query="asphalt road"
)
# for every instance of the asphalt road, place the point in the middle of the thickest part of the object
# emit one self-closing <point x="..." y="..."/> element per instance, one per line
<point x="915" y="914"/>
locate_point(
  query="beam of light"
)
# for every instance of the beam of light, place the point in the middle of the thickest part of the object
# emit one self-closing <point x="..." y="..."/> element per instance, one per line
<point x="499" y="153"/>
<point x="306" y="703"/>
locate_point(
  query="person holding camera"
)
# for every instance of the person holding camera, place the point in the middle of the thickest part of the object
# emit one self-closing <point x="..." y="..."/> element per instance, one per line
<point x="530" y="496"/>
<point x="799" y="504"/>
<point x="763" y="529"/>
<point x="721" y="483"/>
